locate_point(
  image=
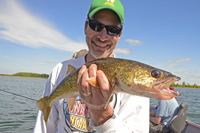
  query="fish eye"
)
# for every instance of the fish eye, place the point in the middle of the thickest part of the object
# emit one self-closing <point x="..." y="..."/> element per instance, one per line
<point x="156" y="73"/>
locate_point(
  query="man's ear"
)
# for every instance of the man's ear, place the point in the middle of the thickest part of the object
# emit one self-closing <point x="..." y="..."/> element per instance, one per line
<point x="85" y="27"/>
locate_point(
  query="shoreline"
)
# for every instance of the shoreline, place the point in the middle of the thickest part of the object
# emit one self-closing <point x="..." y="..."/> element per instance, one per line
<point x="47" y="78"/>
<point x="186" y="87"/>
<point x="22" y="76"/>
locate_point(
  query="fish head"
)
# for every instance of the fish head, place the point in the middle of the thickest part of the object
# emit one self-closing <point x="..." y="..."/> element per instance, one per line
<point x="147" y="81"/>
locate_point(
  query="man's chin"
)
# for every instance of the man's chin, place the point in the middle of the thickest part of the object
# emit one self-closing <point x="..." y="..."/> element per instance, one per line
<point x="100" y="56"/>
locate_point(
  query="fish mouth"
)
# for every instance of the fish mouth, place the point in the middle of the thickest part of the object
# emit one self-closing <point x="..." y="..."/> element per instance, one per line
<point x="162" y="87"/>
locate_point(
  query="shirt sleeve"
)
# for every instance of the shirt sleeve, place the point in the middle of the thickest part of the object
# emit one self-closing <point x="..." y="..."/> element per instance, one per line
<point x="40" y="126"/>
<point x="131" y="116"/>
<point x="52" y="120"/>
<point x="162" y="108"/>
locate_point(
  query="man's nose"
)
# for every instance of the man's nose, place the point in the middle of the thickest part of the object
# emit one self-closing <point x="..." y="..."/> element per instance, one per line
<point x="103" y="34"/>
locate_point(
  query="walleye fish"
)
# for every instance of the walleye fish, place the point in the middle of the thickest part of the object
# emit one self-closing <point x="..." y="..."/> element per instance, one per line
<point x="126" y="76"/>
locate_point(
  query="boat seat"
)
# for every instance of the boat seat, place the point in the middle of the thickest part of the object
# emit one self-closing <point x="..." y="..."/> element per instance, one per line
<point x="177" y="124"/>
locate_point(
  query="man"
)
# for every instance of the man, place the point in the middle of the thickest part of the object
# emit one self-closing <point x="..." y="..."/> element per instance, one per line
<point x="153" y="110"/>
<point x="166" y="110"/>
<point x="124" y="113"/>
<point x="79" y="53"/>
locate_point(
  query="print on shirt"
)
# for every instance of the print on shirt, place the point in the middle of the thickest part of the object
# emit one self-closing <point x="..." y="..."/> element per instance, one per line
<point x="78" y="118"/>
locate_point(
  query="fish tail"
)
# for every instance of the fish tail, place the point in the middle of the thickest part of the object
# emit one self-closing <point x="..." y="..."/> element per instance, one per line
<point x="44" y="107"/>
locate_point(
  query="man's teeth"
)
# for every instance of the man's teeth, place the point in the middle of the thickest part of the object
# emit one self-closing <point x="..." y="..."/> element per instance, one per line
<point x="101" y="45"/>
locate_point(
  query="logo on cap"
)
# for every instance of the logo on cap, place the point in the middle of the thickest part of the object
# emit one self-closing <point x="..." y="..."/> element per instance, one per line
<point x="110" y="2"/>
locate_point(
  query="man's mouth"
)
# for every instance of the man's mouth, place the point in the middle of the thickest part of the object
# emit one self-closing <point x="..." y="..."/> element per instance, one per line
<point x="101" y="45"/>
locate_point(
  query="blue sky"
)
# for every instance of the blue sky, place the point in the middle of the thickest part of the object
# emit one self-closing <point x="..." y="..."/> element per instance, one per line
<point x="35" y="35"/>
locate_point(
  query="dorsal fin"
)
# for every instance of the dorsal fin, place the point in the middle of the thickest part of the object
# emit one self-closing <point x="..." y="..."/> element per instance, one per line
<point x="70" y="69"/>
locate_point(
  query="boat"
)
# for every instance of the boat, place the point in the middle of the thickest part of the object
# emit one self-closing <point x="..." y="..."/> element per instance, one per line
<point x="179" y="124"/>
<point x="191" y="128"/>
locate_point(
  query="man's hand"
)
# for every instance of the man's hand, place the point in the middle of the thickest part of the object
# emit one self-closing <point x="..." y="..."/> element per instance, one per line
<point x="156" y="119"/>
<point x="95" y="101"/>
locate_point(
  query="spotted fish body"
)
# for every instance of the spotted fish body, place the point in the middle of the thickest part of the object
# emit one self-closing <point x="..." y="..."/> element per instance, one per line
<point x="126" y="76"/>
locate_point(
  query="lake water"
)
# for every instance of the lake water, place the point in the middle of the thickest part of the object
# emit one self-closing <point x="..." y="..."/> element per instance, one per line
<point x="17" y="115"/>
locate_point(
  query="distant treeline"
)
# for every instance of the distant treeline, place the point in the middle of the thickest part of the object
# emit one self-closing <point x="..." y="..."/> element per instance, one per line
<point x="25" y="74"/>
<point x="184" y="85"/>
<point x="36" y="75"/>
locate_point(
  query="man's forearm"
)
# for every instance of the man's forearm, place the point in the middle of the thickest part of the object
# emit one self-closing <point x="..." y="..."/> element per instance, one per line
<point x="153" y="114"/>
<point x="154" y="120"/>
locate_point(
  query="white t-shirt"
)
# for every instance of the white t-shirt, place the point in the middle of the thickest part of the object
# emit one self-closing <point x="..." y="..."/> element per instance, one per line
<point x="131" y="113"/>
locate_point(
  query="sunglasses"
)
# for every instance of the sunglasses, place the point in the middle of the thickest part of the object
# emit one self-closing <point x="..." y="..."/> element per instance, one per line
<point x="97" y="26"/>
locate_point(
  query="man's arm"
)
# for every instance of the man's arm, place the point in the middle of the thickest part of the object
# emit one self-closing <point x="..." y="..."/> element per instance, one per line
<point x="156" y="119"/>
<point x="152" y="114"/>
<point x="40" y="126"/>
<point x="152" y="108"/>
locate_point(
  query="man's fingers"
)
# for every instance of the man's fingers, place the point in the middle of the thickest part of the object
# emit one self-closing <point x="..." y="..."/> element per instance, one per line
<point x="92" y="73"/>
<point x="90" y="94"/>
<point x="92" y="70"/>
<point x="80" y="79"/>
<point x="104" y="84"/>
<point x="80" y="73"/>
<point x="84" y="83"/>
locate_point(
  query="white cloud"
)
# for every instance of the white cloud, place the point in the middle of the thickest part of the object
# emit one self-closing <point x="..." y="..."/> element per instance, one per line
<point x="67" y="58"/>
<point x="51" y="61"/>
<point x="20" y="27"/>
<point x="43" y="63"/>
<point x="133" y="42"/>
<point x="122" y="51"/>
<point x="182" y="72"/>
<point x="171" y="66"/>
<point x="180" y="60"/>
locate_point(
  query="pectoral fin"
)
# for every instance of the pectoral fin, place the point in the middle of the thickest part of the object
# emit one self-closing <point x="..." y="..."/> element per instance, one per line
<point x="70" y="102"/>
<point x="113" y="83"/>
<point x="93" y="81"/>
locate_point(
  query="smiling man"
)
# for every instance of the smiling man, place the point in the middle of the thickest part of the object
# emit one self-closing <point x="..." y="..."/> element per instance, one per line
<point x="124" y="113"/>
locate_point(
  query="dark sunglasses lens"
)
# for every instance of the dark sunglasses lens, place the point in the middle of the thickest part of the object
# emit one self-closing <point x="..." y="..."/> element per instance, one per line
<point x="113" y="30"/>
<point x="96" y="26"/>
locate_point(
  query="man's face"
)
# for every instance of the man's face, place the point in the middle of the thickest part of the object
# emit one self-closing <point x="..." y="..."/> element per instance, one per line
<point x="100" y="44"/>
